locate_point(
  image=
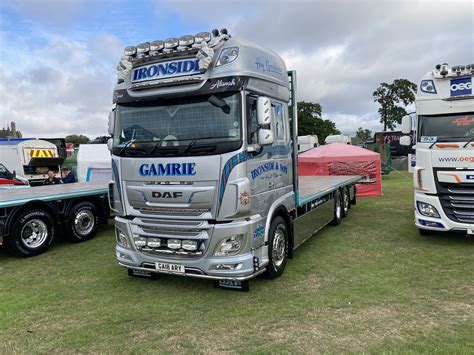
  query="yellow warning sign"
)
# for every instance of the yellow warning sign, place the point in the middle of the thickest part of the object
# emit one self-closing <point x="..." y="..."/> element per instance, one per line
<point x="42" y="153"/>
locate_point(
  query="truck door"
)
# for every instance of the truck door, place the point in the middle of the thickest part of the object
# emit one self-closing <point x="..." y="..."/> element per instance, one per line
<point x="270" y="168"/>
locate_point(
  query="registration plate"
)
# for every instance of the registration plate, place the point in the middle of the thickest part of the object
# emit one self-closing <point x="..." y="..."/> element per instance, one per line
<point x="470" y="231"/>
<point x="174" y="268"/>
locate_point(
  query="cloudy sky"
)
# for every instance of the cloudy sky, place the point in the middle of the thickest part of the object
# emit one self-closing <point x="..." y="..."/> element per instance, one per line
<point x="58" y="57"/>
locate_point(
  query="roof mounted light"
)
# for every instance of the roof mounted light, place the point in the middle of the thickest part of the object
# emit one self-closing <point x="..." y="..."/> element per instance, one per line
<point x="143" y="47"/>
<point x="444" y="69"/>
<point x="186" y="40"/>
<point x="171" y="43"/>
<point x="215" y="32"/>
<point x="156" y="46"/>
<point x="130" y="50"/>
<point x="224" y="31"/>
<point x="202" y="37"/>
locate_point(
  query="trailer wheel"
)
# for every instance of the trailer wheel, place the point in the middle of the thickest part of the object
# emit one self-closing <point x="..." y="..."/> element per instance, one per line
<point x="82" y="222"/>
<point x="277" y="248"/>
<point x="337" y="209"/>
<point x="346" y="203"/>
<point x="32" y="233"/>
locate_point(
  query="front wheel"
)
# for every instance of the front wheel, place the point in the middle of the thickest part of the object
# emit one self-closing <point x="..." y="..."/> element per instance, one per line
<point x="277" y="248"/>
<point x="32" y="233"/>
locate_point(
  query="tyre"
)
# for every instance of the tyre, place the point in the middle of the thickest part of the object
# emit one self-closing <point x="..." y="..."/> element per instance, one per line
<point x="337" y="209"/>
<point x="32" y="233"/>
<point x="424" y="232"/>
<point x="277" y="248"/>
<point x="346" y="201"/>
<point x="82" y="222"/>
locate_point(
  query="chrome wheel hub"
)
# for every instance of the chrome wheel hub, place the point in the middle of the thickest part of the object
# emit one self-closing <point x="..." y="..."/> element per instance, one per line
<point x="278" y="248"/>
<point x="34" y="233"/>
<point x="84" y="222"/>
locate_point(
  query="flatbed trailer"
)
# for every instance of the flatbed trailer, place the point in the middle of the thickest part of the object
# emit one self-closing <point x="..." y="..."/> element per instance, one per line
<point x="31" y="218"/>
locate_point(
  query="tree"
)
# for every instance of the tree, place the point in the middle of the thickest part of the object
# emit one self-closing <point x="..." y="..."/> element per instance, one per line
<point x="389" y="97"/>
<point x="310" y="121"/>
<point x="363" y="134"/>
<point x="77" y="139"/>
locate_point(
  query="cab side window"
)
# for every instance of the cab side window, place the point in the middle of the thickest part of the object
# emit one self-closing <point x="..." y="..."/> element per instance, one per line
<point x="252" y="125"/>
<point x="279" y="122"/>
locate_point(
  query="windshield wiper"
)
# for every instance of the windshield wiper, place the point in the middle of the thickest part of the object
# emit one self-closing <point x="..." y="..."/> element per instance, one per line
<point x="127" y="144"/>
<point x="195" y="140"/>
<point x="469" y="141"/>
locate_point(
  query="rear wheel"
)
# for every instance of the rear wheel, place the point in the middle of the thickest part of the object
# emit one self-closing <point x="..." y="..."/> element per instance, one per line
<point x="82" y="222"/>
<point x="346" y="202"/>
<point x="32" y="233"/>
<point x="277" y="248"/>
<point x="337" y="209"/>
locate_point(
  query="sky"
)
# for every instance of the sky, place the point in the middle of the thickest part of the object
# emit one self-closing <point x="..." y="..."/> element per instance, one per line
<point x="58" y="58"/>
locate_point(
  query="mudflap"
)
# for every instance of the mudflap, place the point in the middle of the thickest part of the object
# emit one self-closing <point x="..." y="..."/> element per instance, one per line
<point x="234" y="285"/>
<point x="140" y="273"/>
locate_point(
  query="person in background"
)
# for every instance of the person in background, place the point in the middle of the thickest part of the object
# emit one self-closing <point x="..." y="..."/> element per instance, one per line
<point x="68" y="176"/>
<point x="51" y="180"/>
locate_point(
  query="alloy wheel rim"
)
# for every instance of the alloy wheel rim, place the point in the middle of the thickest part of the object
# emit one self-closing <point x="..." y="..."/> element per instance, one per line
<point x="34" y="233"/>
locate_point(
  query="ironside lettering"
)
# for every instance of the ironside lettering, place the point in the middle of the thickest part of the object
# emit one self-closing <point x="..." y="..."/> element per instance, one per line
<point x="166" y="70"/>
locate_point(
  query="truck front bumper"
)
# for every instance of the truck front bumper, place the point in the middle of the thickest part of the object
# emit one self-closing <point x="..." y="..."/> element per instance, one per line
<point x="249" y="263"/>
<point x="443" y="224"/>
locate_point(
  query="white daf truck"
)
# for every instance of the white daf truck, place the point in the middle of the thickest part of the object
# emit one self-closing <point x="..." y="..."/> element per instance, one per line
<point x="444" y="173"/>
<point x="204" y="161"/>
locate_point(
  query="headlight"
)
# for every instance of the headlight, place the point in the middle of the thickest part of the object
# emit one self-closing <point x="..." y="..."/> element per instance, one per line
<point x="190" y="245"/>
<point x="121" y="237"/>
<point x="140" y="242"/>
<point x="427" y="210"/>
<point x="230" y="245"/>
<point x="228" y="55"/>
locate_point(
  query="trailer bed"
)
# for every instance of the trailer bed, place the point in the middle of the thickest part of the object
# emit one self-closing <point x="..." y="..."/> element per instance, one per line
<point x="15" y="197"/>
<point x="313" y="187"/>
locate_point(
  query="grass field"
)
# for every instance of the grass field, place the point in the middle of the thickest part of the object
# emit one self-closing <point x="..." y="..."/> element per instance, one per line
<point x="370" y="285"/>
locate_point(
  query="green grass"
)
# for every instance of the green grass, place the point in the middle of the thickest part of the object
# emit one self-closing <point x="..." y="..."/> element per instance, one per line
<point x="371" y="284"/>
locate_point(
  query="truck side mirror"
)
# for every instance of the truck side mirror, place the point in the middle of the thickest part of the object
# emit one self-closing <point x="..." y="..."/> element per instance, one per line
<point x="265" y="136"/>
<point x="406" y="124"/>
<point x="264" y="109"/>
<point x="405" y="141"/>
<point x="111" y="122"/>
<point x="110" y="143"/>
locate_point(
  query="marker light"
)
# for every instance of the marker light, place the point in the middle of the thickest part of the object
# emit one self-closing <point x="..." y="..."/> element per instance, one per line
<point x="156" y="46"/>
<point x="428" y="86"/>
<point x="427" y="210"/>
<point x="186" y="40"/>
<point x="228" y="55"/>
<point x="202" y="37"/>
<point x="171" y="43"/>
<point x="130" y="50"/>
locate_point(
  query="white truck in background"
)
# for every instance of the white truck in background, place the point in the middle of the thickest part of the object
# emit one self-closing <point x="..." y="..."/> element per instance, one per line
<point x="30" y="158"/>
<point x="338" y="138"/>
<point x="444" y="173"/>
<point x="307" y="142"/>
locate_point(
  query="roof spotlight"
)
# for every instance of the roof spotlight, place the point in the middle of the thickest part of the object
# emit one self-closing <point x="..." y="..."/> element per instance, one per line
<point x="438" y="66"/>
<point x="215" y="32"/>
<point x="224" y="31"/>
<point x="171" y="43"/>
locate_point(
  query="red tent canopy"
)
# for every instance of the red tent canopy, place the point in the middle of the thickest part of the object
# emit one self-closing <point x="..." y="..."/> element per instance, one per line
<point x="344" y="159"/>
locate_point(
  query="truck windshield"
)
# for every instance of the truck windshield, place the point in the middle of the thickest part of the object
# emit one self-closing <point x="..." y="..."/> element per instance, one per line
<point x="199" y="125"/>
<point x="455" y="127"/>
